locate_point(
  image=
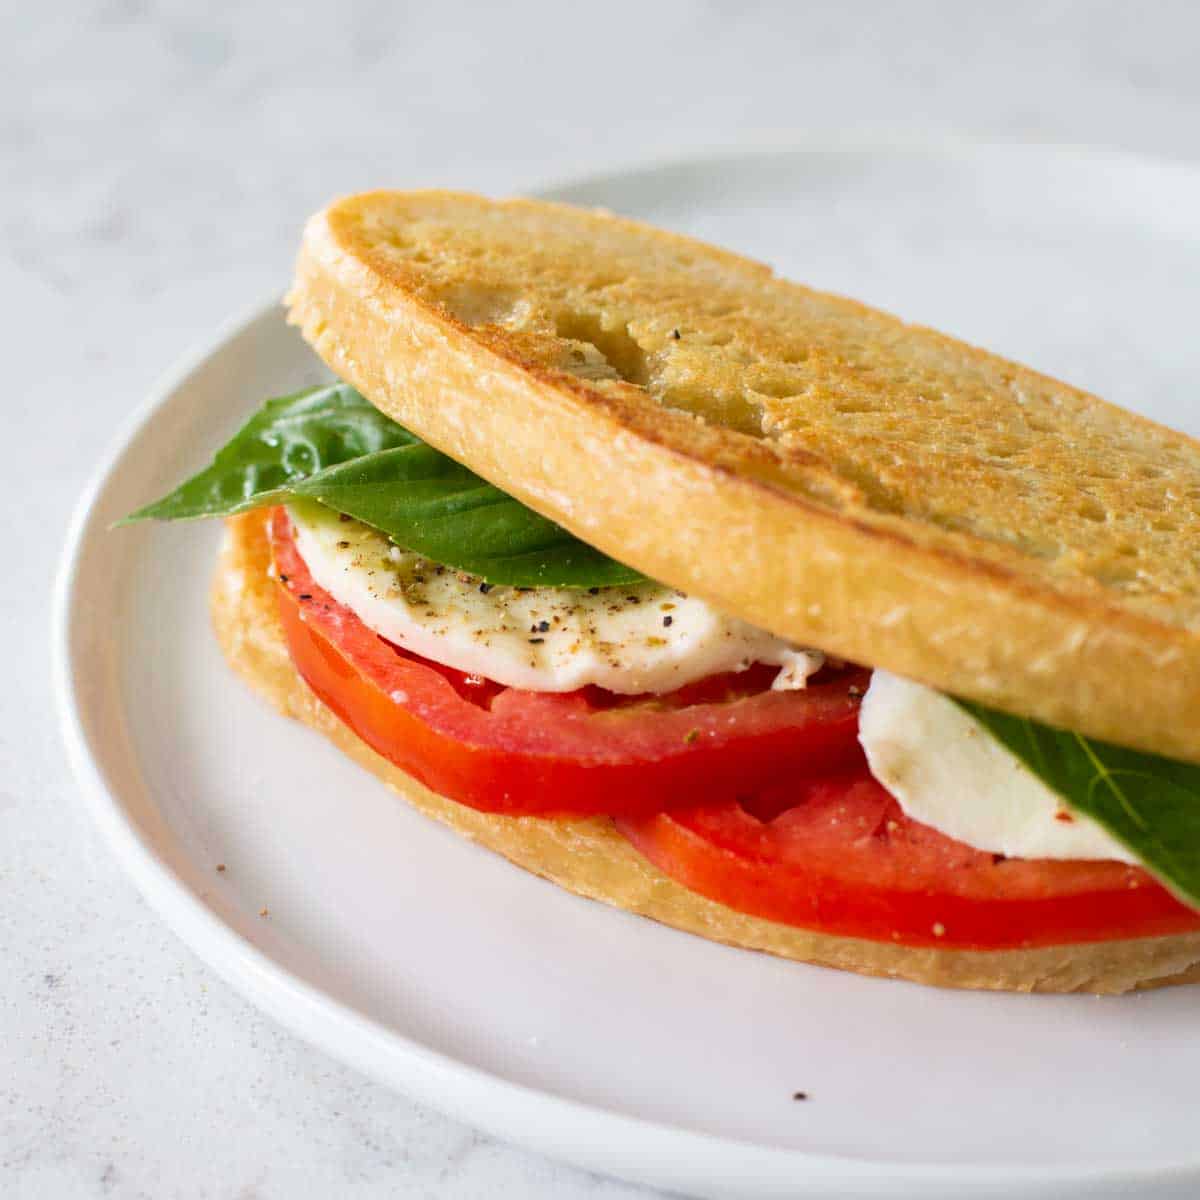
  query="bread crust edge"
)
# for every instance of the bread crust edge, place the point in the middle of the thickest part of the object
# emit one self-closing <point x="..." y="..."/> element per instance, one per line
<point x="591" y="859"/>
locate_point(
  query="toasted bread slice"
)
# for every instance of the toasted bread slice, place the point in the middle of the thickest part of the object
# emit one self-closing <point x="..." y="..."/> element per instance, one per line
<point x="812" y="465"/>
<point x="591" y="858"/>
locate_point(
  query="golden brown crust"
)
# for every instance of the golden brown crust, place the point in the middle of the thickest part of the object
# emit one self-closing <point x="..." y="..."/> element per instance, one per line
<point x="876" y="489"/>
<point x="592" y="859"/>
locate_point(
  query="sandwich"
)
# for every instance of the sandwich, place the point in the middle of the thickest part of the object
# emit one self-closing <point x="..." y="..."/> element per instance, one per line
<point x="740" y="606"/>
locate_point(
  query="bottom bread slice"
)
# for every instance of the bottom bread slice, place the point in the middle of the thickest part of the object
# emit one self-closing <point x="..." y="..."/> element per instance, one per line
<point x="591" y="858"/>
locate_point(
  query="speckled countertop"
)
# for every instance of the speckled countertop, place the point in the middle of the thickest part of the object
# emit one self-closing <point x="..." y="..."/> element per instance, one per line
<point x="158" y="160"/>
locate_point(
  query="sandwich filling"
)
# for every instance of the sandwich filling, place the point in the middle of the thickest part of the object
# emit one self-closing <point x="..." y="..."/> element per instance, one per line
<point x="935" y="759"/>
<point x="947" y="771"/>
<point x="512" y="668"/>
<point x="633" y="640"/>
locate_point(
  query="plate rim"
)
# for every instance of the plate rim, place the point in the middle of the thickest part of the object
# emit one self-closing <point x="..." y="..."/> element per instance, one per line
<point x="654" y="1153"/>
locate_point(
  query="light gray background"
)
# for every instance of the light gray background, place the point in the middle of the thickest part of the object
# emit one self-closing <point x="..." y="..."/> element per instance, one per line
<point x="158" y="160"/>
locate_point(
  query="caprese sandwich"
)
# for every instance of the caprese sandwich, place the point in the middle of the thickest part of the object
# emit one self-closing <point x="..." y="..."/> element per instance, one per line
<point x="738" y="605"/>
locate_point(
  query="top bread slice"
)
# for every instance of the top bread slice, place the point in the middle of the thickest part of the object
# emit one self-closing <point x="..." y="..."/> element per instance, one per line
<point x="812" y="465"/>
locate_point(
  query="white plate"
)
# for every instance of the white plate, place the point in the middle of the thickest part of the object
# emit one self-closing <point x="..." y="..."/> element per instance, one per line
<point x="582" y="1032"/>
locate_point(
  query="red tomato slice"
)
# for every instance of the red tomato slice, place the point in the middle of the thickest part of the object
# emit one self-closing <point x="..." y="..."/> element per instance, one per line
<point x="837" y="855"/>
<point x="538" y="754"/>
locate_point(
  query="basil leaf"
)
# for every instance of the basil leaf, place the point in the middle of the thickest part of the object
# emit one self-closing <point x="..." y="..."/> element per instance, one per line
<point x="427" y="502"/>
<point x="288" y="439"/>
<point x="332" y="445"/>
<point x="1149" y="803"/>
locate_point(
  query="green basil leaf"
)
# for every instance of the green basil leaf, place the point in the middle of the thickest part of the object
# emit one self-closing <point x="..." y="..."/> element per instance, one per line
<point x="1149" y="803"/>
<point x="427" y="502"/>
<point x="332" y="445"/>
<point x="288" y="439"/>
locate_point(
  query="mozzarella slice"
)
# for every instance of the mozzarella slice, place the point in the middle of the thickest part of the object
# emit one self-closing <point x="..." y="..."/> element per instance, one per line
<point x="644" y="638"/>
<point x="946" y="770"/>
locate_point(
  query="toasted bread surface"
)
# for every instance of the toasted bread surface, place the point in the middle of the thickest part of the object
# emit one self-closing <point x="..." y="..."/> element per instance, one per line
<point x="809" y="464"/>
<point x="591" y="858"/>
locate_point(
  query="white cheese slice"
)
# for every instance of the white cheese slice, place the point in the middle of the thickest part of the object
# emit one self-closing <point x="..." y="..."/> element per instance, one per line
<point x="947" y="771"/>
<point x="631" y="640"/>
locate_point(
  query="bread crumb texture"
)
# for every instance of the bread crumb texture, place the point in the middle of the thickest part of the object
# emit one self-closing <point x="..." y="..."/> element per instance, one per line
<point x="872" y="418"/>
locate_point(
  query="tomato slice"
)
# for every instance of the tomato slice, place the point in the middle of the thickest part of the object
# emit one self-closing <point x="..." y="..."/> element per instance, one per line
<point x="539" y="754"/>
<point x="839" y="856"/>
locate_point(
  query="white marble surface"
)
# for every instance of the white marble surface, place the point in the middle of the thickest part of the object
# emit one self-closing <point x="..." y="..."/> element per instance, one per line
<point x="158" y="159"/>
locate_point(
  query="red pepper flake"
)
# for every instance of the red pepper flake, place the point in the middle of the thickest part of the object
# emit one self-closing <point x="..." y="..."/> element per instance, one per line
<point x="1063" y="815"/>
<point x="221" y="868"/>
